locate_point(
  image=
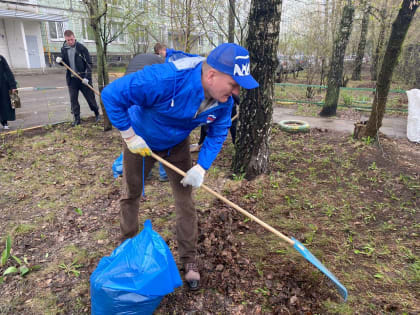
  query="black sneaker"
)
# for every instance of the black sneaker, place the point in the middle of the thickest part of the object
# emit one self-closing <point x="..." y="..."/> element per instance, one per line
<point x="75" y="123"/>
<point x="163" y="179"/>
<point x="97" y="118"/>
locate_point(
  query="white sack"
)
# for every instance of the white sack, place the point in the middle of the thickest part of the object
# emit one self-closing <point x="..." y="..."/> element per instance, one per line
<point x="413" y="121"/>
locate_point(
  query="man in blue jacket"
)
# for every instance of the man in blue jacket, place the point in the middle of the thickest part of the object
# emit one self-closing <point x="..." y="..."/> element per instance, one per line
<point x="156" y="109"/>
<point x="170" y="54"/>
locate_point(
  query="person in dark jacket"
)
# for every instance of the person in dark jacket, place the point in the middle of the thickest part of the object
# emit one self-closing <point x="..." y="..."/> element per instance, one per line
<point x="155" y="110"/>
<point x="7" y="84"/>
<point x="203" y="130"/>
<point x="169" y="54"/>
<point x="77" y="57"/>
<point x="141" y="60"/>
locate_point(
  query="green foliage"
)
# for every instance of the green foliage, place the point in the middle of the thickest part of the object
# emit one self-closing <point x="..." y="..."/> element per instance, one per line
<point x="71" y="268"/>
<point x="6" y="252"/>
<point x="263" y="291"/>
<point x="415" y="271"/>
<point x="238" y="177"/>
<point x="373" y="166"/>
<point x="309" y="237"/>
<point x="368" y="140"/>
<point x="366" y="250"/>
<point x="347" y="99"/>
<point x="23" y="268"/>
<point x="78" y="211"/>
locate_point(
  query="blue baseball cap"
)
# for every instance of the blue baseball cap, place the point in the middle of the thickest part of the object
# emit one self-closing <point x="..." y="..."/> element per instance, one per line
<point x="233" y="60"/>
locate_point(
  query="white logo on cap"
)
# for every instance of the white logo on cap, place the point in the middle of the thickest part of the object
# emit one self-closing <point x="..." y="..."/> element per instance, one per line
<point x="241" y="72"/>
<point x="241" y="69"/>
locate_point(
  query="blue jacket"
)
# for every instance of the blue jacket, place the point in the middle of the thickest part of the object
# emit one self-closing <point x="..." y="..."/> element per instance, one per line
<point x="172" y="55"/>
<point x="161" y="102"/>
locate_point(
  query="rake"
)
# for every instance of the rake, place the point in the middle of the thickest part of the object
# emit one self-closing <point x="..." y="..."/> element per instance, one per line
<point x="292" y="241"/>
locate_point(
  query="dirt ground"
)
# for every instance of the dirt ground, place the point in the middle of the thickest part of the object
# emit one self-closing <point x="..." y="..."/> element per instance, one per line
<point x="355" y="206"/>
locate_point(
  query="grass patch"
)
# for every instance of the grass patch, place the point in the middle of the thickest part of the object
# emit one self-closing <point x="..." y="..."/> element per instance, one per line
<point x="354" y="208"/>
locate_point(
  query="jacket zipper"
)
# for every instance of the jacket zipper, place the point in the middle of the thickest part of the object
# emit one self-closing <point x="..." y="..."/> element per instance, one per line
<point x="216" y="103"/>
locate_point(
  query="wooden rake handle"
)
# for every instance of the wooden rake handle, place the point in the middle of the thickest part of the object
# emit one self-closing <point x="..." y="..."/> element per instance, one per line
<point x="227" y="201"/>
<point x="78" y="76"/>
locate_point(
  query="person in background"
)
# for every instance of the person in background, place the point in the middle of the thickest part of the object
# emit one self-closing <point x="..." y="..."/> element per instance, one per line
<point x="203" y="130"/>
<point x="155" y="110"/>
<point x="7" y="85"/>
<point x="138" y="63"/>
<point x="169" y="54"/>
<point x="77" y="57"/>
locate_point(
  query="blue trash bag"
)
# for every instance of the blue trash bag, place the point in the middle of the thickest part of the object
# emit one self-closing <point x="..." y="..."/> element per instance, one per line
<point x="117" y="166"/>
<point x="135" y="278"/>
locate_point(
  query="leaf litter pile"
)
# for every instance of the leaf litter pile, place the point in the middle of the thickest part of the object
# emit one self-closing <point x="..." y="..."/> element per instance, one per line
<point x="353" y="204"/>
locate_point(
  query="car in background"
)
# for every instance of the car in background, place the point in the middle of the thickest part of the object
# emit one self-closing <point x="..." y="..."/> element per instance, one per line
<point x="289" y="64"/>
<point x="283" y="66"/>
<point x="299" y="62"/>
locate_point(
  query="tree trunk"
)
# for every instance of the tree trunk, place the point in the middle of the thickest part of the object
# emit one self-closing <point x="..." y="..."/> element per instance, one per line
<point x="252" y="146"/>
<point x="378" y="50"/>
<point x="102" y="71"/>
<point x="103" y="79"/>
<point x="362" y="43"/>
<point x="337" y="62"/>
<point x="231" y="37"/>
<point x="393" y="50"/>
<point x="188" y="26"/>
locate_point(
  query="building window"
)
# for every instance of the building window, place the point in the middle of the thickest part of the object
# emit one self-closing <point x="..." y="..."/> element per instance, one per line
<point x="56" y="30"/>
<point x="220" y="39"/>
<point x="161" y="7"/>
<point x="162" y="34"/>
<point x="87" y="30"/>
<point x="143" y="5"/>
<point x="114" y="3"/>
<point x="116" y="29"/>
<point x="142" y="36"/>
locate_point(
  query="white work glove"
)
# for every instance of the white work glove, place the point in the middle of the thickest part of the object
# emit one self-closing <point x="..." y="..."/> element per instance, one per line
<point x="194" y="177"/>
<point x="58" y="60"/>
<point x="135" y="143"/>
<point x="85" y="81"/>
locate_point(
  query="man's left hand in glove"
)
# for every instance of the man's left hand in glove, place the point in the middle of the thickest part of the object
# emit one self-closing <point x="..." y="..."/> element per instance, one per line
<point x="194" y="177"/>
<point x="135" y="143"/>
<point x="85" y="81"/>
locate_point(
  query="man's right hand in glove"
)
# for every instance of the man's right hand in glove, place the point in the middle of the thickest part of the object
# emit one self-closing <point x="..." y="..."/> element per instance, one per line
<point x="194" y="176"/>
<point x="58" y="60"/>
<point x="135" y="143"/>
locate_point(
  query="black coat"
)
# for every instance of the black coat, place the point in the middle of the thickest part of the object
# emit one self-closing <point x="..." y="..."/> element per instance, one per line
<point x="142" y="60"/>
<point x="7" y="83"/>
<point x="82" y="61"/>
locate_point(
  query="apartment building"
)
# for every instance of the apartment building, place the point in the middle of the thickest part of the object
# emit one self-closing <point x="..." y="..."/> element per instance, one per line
<point x="31" y="31"/>
<point x="21" y="24"/>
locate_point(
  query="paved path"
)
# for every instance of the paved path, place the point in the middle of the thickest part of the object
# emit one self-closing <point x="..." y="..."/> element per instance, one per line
<point x="392" y="127"/>
<point x="47" y="106"/>
<point x="53" y="105"/>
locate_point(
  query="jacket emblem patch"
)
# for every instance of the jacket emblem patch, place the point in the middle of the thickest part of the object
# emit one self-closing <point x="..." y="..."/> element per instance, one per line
<point x="210" y="119"/>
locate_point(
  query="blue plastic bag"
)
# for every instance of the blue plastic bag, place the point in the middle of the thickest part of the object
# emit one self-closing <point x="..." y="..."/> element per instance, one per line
<point x="117" y="166"/>
<point x="134" y="279"/>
